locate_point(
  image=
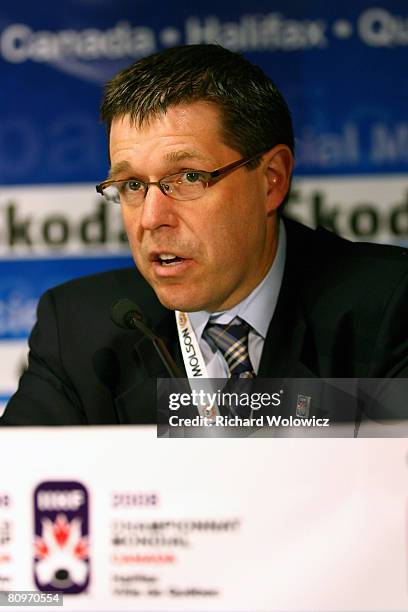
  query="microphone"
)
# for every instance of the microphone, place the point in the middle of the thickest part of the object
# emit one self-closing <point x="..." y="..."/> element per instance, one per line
<point x="127" y="315"/>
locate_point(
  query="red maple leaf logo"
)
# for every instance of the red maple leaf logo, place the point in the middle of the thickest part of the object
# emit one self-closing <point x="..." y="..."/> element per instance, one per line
<point x="61" y="535"/>
<point x="61" y="530"/>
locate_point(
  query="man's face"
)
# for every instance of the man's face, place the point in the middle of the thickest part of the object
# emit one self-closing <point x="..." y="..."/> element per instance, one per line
<point x="225" y="241"/>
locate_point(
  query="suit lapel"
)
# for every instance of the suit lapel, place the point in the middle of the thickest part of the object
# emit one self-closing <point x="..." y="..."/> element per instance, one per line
<point x="286" y="339"/>
<point x="281" y="356"/>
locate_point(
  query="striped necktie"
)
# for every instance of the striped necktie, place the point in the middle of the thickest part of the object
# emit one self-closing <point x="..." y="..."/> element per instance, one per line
<point x="232" y="341"/>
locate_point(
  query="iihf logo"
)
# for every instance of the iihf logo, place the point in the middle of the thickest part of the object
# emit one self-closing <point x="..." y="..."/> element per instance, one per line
<point x="61" y="546"/>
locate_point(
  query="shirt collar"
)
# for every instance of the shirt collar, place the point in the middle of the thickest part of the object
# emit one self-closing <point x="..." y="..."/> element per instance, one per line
<point x="258" y="307"/>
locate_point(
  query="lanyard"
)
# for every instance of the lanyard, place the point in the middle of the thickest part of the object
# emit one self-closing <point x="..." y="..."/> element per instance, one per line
<point x="194" y="362"/>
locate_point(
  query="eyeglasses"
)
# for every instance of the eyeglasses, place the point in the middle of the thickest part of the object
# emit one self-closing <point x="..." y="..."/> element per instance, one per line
<point x="187" y="185"/>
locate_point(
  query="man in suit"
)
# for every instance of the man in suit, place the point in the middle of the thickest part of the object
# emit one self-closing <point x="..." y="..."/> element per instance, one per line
<point x="201" y="152"/>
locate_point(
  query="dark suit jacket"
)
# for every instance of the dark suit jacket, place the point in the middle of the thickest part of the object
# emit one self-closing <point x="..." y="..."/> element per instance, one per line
<point x="342" y="313"/>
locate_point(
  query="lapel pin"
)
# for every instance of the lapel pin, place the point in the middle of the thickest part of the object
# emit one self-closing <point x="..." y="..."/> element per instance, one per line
<point x="303" y="405"/>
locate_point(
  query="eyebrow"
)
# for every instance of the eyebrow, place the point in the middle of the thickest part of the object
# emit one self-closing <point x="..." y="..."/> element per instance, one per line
<point x="176" y="156"/>
<point x="172" y="157"/>
<point x="123" y="166"/>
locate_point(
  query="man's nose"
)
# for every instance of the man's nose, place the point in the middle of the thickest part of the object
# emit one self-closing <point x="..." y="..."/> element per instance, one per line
<point x="158" y="209"/>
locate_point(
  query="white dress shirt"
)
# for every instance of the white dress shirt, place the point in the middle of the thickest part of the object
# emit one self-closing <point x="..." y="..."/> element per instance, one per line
<point x="257" y="309"/>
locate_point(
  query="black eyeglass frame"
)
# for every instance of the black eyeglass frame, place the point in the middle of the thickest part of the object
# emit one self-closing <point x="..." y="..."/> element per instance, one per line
<point x="209" y="177"/>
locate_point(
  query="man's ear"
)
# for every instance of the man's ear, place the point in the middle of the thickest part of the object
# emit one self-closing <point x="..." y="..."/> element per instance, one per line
<point x="278" y="166"/>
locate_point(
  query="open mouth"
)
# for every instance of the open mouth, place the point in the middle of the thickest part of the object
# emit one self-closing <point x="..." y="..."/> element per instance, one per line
<point x="167" y="259"/>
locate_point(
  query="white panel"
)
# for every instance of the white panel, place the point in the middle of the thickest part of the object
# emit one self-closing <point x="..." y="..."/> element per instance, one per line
<point x="13" y="359"/>
<point x="312" y="524"/>
<point x="363" y="208"/>
<point x="63" y="219"/>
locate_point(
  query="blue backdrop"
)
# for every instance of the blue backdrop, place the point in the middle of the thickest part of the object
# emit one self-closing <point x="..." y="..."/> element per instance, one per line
<point x="342" y="69"/>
